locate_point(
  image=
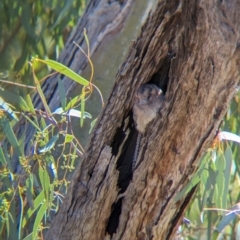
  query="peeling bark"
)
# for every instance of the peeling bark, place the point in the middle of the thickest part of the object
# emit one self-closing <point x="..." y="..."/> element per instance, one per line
<point x="191" y="50"/>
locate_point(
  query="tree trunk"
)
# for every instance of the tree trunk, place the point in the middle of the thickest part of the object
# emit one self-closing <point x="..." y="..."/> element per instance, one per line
<point x="191" y="50"/>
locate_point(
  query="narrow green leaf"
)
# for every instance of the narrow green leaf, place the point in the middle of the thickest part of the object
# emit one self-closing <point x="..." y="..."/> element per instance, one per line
<point x="32" y="110"/>
<point x="14" y="99"/>
<point x="29" y="237"/>
<point x="205" y="186"/>
<point x="45" y="181"/>
<point x="33" y="123"/>
<point x="38" y="219"/>
<point x="196" y="178"/>
<point x="2" y="224"/>
<point x="37" y="202"/>
<point x="213" y="188"/>
<point x="220" y="180"/>
<point x="36" y="184"/>
<point x="237" y="230"/>
<point x="6" y="128"/>
<point x="73" y="158"/>
<point x="51" y="197"/>
<point x="92" y="125"/>
<point x="215" y="235"/>
<point x="86" y="39"/>
<point x="50" y="144"/>
<point x="188" y="188"/>
<point x="204" y="177"/>
<point x="65" y="71"/>
<point x="22" y="140"/>
<point x="72" y="103"/>
<point x="13" y="234"/>
<point x="29" y="103"/>
<point x="41" y="94"/>
<point x="2" y="158"/>
<point x="62" y="93"/>
<point x="9" y="161"/>
<point x="209" y="224"/>
<point x="72" y="113"/>
<point x="20" y="215"/>
<point x="7" y="224"/>
<point x="8" y="109"/>
<point x="43" y="123"/>
<point x="29" y="190"/>
<point x="226" y="220"/>
<point x="227" y="174"/>
<point x="82" y="110"/>
<point x="229" y="217"/>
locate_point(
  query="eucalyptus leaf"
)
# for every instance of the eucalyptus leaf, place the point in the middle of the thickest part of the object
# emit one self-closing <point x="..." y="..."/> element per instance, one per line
<point x="72" y="113"/>
<point x="82" y="109"/>
<point x="29" y="190"/>
<point x="62" y="93"/>
<point x="65" y="71"/>
<point x="29" y="237"/>
<point x="227" y="174"/>
<point x="38" y="219"/>
<point x="229" y="217"/>
<point x="45" y="181"/>
<point x="8" y="131"/>
<point x="50" y="144"/>
<point x="8" y="109"/>
<point x="21" y="206"/>
<point x="92" y="125"/>
<point x="220" y="180"/>
<point x="14" y="99"/>
<point x="2" y="158"/>
<point x="37" y="202"/>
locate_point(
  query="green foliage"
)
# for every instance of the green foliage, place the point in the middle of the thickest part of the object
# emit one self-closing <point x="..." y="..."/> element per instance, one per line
<point x="34" y="27"/>
<point x="29" y="198"/>
<point x="214" y="212"/>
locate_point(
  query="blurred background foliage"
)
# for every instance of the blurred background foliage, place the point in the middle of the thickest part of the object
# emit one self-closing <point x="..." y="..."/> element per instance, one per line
<point x="215" y="208"/>
<point x="41" y="27"/>
<point x="29" y="28"/>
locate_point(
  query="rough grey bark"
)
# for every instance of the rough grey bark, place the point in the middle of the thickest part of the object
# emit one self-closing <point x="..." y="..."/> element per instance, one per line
<point x="191" y="50"/>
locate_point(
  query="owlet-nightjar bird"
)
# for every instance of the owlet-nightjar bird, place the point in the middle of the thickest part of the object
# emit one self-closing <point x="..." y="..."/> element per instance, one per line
<point x="148" y="100"/>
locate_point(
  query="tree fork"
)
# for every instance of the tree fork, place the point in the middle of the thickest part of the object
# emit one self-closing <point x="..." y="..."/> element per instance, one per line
<point x="191" y="50"/>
